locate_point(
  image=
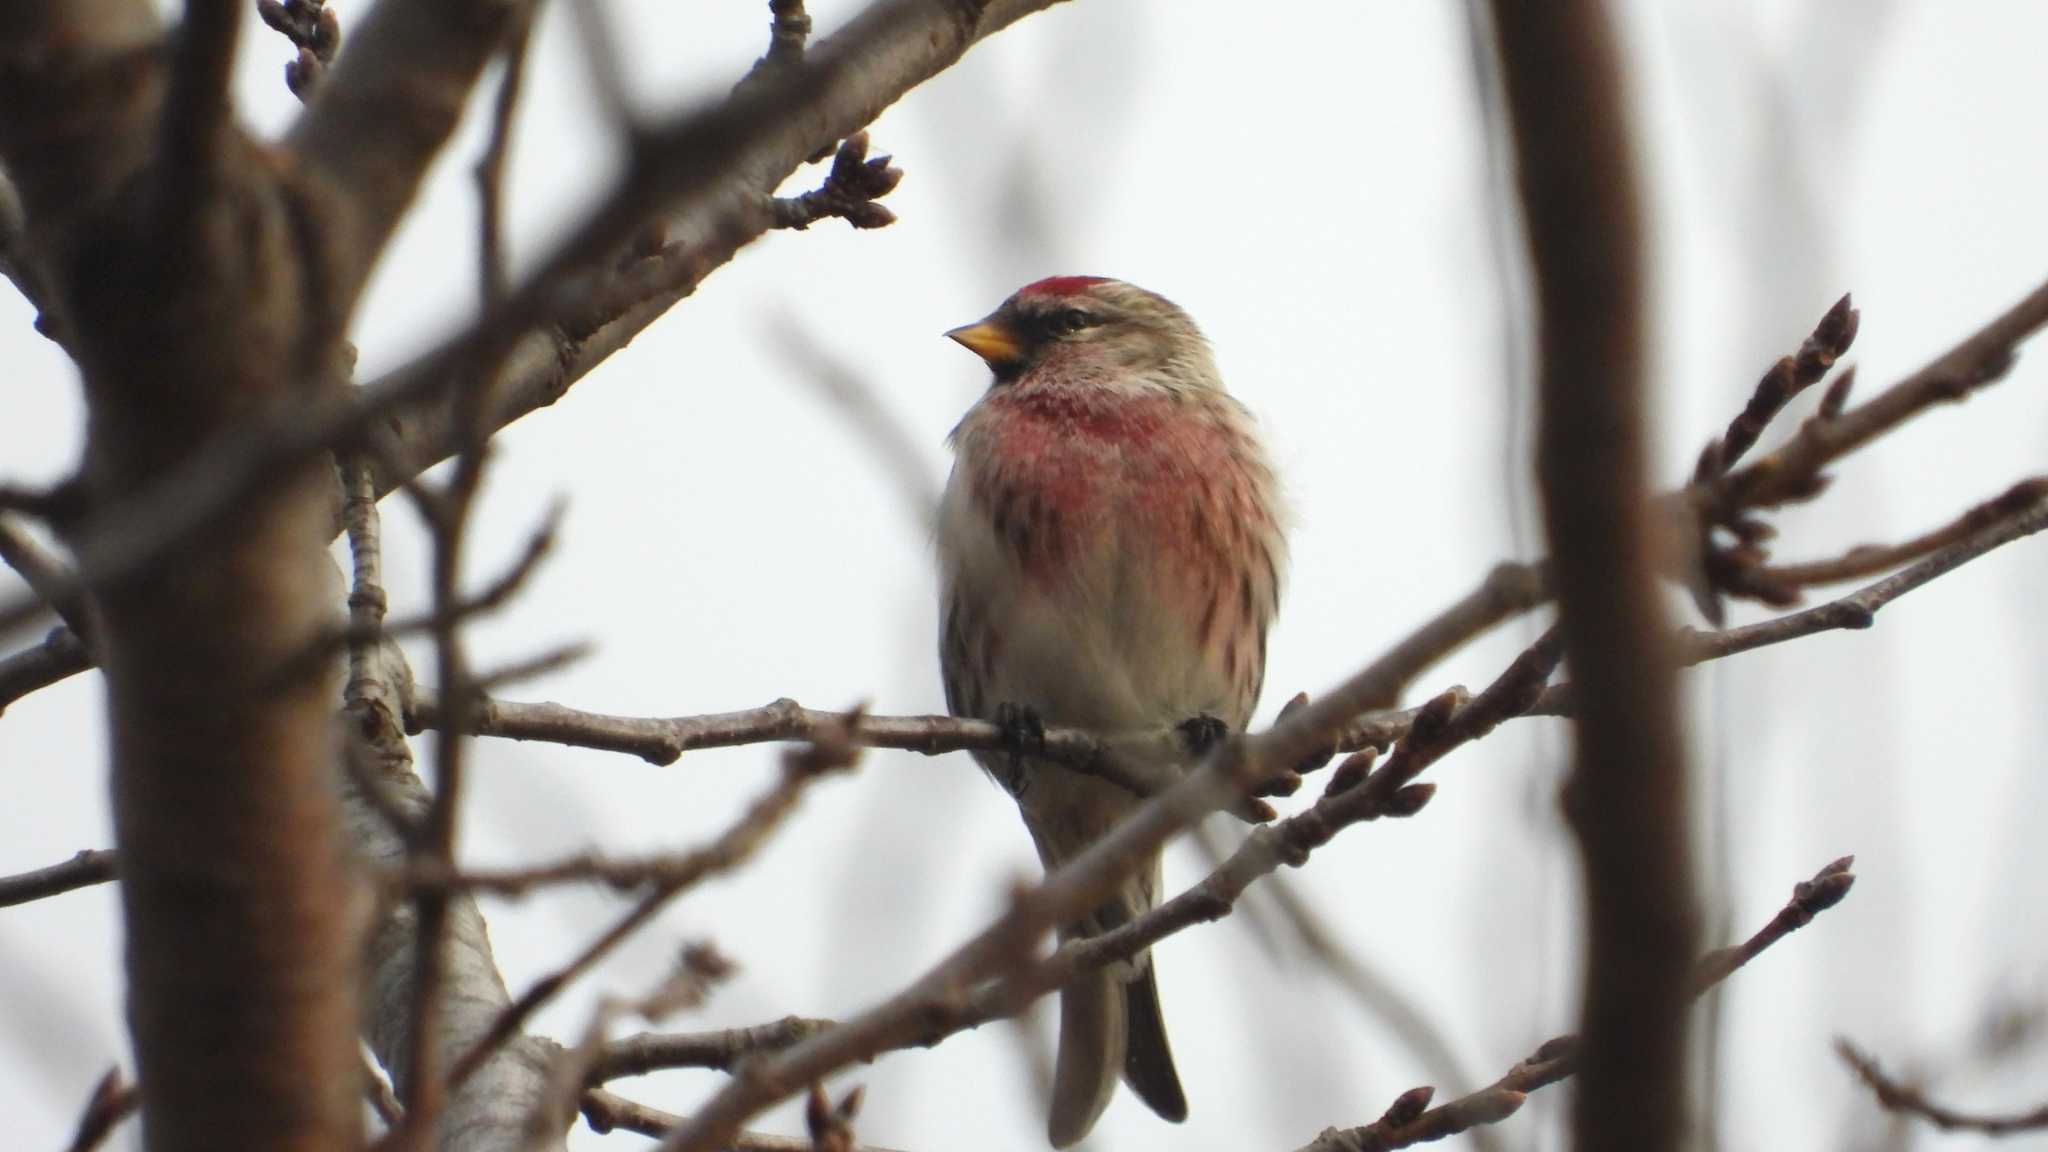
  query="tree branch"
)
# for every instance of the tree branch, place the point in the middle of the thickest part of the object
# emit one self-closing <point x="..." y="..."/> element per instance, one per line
<point x="1627" y="796"/>
<point x="830" y="752"/>
<point x="717" y="169"/>
<point x="1871" y="559"/>
<point x="198" y="118"/>
<point x="608" y="1111"/>
<point x="93" y="866"/>
<point x="717" y="172"/>
<point x="1410" y="1121"/>
<point x="1907" y="1100"/>
<point x="1981" y="359"/>
<point x="60" y="655"/>
<point x="384" y="111"/>
<point x="383" y="805"/>
<point x="721" y="1051"/>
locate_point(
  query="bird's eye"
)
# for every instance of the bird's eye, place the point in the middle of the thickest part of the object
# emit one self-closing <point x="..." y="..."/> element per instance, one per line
<point x="1068" y="321"/>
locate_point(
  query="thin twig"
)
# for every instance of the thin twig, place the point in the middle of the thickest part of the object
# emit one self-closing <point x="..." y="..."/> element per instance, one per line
<point x="1123" y="758"/>
<point x="1409" y="1121"/>
<point x="849" y="193"/>
<point x="1358" y="791"/>
<point x="722" y="1050"/>
<point x="1388" y="1006"/>
<point x="717" y="166"/>
<point x="1809" y="899"/>
<point x="449" y="514"/>
<point x="372" y="630"/>
<point x="61" y="654"/>
<point x="661" y="740"/>
<point x="113" y="1100"/>
<point x="1908" y="1100"/>
<point x="1859" y="609"/>
<point x="1870" y="559"/>
<point x="1786" y="379"/>
<point x="1983" y="358"/>
<point x="933" y="1005"/>
<point x="492" y="273"/>
<point x="45" y="574"/>
<point x="789" y="26"/>
<point x="383" y="1101"/>
<point x="733" y="847"/>
<point x="608" y="1111"/>
<point x="90" y="867"/>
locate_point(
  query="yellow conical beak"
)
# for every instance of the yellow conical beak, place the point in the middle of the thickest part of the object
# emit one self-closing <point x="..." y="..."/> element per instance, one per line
<point x="991" y="340"/>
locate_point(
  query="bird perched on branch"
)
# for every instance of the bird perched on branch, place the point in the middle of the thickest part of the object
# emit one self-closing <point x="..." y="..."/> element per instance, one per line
<point x="1111" y="549"/>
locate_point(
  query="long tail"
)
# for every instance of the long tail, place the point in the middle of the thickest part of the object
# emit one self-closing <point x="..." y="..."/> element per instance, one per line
<point x="1092" y="1051"/>
<point x="1148" y="1061"/>
<point x="1111" y="1027"/>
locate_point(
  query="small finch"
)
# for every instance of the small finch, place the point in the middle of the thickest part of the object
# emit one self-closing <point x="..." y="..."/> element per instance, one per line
<point x="1110" y="549"/>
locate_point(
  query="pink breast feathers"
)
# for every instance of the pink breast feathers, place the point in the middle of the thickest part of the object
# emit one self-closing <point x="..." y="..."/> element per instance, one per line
<point x="1063" y="470"/>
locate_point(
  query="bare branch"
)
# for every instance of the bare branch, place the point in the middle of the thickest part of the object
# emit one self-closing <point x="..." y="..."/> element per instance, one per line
<point x="384" y="805"/>
<point x="1785" y="380"/>
<point x="61" y="654"/>
<point x="848" y="193"/>
<point x="608" y="1111"/>
<point x="828" y="753"/>
<point x="113" y="1100"/>
<point x="384" y="111"/>
<point x="789" y="26"/>
<point x="1627" y="796"/>
<point x="1860" y="609"/>
<point x="933" y="1005"/>
<point x="197" y="118"/>
<point x="1409" y="1121"/>
<point x="492" y="274"/>
<point x="382" y="1099"/>
<point x="719" y="170"/>
<point x="1981" y="359"/>
<point x="1357" y="792"/>
<point x="719" y="167"/>
<point x="1905" y="1099"/>
<point x="46" y="575"/>
<point x="93" y="866"/>
<point x="646" y="1052"/>
<point x="1870" y="559"/>
<point x="1809" y="899"/>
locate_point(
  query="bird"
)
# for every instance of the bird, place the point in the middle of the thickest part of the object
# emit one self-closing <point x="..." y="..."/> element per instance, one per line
<point x="1111" y="546"/>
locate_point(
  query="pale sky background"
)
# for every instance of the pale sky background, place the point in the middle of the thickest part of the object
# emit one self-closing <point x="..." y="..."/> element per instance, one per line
<point x="1311" y="184"/>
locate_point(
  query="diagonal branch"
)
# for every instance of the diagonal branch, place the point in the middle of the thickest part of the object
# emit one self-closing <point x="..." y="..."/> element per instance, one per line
<point x="1981" y="359"/>
<point x="716" y="170"/>
<point x="1894" y="1096"/>
<point x="382" y="113"/>
<point x="1410" y="1121"/>
<point x="93" y="866"/>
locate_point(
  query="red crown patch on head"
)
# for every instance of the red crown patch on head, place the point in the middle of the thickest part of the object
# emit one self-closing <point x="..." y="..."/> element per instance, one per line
<point x="1060" y="285"/>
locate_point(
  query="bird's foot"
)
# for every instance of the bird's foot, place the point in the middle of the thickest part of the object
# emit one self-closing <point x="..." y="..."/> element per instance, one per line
<point x="1202" y="733"/>
<point x="1023" y="730"/>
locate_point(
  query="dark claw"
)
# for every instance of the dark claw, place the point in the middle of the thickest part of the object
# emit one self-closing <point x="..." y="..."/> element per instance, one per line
<point x="1203" y="733"/>
<point x="1021" y="727"/>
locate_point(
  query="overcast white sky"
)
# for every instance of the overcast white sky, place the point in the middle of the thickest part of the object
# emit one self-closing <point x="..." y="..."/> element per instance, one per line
<point x="1311" y="184"/>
